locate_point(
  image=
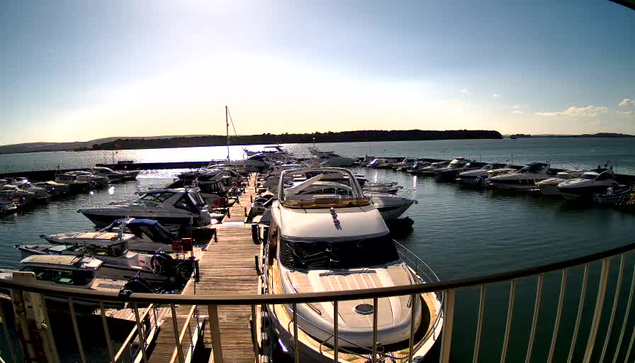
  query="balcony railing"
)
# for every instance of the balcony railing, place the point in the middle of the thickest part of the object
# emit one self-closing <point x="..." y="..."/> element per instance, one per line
<point x="615" y="342"/>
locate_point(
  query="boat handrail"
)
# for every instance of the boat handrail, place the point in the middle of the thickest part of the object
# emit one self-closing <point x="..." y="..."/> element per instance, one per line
<point x="315" y="297"/>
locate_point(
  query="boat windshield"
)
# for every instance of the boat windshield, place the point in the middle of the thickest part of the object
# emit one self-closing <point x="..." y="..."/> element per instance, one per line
<point x="589" y="176"/>
<point x="532" y="168"/>
<point x="156" y="197"/>
<point x="338" y="255"/>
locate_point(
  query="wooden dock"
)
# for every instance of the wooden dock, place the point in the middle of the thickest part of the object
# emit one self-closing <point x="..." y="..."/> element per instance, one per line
<point x="226" y="267"/>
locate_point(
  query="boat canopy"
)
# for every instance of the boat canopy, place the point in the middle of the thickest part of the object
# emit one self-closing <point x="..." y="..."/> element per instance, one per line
<point x="67" y="262"/>
<point x="153" y="229"/>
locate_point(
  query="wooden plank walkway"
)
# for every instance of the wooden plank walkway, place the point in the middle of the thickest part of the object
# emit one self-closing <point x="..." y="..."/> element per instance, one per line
<point x="226" y="267"/>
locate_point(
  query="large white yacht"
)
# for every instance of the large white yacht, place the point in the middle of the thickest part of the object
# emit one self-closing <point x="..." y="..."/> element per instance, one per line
<point x="523" y="179"/>
<point x="336" y="240"/>
<point x="172" y="207"/>
<point x="589" y="183"/>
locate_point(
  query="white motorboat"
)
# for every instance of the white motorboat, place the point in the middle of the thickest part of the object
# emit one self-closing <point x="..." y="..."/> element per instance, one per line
<point x="273" y="152"/>
<point x="158" y="268"/>
<point x="81" y="180"/>
<point x="171" y="207"/>
<point x="7" y="206"/>
<point x="336" y="242"/>
<point x="450" y="172"/>
<point x="53" y="188"/>
<point x="40" y="195"/>
<point x="143" y="235"/>
<point x="523" y="179"/>
<point x="417" y="166"/>
<point x="589" y="183"/>
<point x="430" y="169"/>
<point x="549" y="187"/>
<point x="380" y="163"/>
<point x="78" y="272"/>
<point x="478" y="176"/>
<point x="113" y="176"/>
<point x="16" y="195"/>
<point x="405" y="164"/>
<point x="330" y="158"/>
<point x="382" y="187"/>
<point x="390" y="206"/>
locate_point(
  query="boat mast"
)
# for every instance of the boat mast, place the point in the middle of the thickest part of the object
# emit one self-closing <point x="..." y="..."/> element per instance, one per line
<point x="227" y="124"/>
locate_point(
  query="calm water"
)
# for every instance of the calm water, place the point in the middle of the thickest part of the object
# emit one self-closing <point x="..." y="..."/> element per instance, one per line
<point x="459" y="232"/>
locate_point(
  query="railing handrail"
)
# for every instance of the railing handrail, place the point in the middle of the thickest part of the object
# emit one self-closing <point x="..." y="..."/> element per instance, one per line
<point x="255" y="299"/>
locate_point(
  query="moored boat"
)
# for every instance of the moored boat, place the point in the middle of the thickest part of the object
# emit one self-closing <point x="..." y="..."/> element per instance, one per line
<point x="335" y="242"/>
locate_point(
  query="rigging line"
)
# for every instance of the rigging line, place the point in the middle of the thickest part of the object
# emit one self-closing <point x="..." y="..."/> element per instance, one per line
<point x="232" y="121"/>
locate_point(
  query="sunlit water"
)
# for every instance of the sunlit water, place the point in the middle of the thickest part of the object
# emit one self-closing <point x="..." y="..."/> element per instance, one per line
<point x="458" y="232"/>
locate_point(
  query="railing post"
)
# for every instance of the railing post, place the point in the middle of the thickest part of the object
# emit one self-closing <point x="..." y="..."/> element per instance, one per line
<point x="479" y="324"/>
<point x="628" y="310"/>
<point x="78" y="337"/>
<point x="597" y="314"/>
<point x="214" y="327"/>
<point x="510" y="316"/>
<point x="534" y="321"/>
<point x="175" y="324"/>
<point x="413" y="310"/>
<point x="375" y="309"/>
<point x="104" y="322"/>
<point x="140" y="333"/>
<point x="556" y="325"/>
<point x="336" y="323"/>
<point x="618" y="288"/>
<point x="448" y="321"/>
<point x="296" y="339"/>
<point x="5" y="328"/>
<point x="576" y="327"/>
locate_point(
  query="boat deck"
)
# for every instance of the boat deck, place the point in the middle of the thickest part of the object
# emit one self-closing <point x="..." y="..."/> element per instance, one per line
<point x="226" y="265"/>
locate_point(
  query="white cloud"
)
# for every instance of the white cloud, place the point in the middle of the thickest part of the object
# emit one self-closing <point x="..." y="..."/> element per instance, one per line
<point x="516" y="106"/>
<point x="627" y="102"/>
<point x="496" y="95"/>
<point x="517" y="111"/>
<point x="589" y="111"/>
<point x="623" y="112"/>
<point x="464" y="91"/>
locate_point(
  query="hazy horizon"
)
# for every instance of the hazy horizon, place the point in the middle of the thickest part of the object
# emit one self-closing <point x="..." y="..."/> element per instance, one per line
<point x="77" y="70"/>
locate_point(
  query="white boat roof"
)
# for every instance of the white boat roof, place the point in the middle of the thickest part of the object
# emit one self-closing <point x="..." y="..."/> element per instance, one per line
<point x="321" y="224"/>
<point x="63" y="262"/>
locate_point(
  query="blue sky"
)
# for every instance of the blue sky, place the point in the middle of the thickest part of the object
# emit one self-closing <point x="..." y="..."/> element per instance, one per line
<point x="78" y="70"/>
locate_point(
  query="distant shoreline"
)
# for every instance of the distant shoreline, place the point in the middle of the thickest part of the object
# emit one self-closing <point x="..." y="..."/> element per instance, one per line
<point x="162" y="142"/>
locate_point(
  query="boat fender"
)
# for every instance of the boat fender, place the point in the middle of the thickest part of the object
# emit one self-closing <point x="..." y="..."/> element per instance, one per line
<point x="255" y="235"/>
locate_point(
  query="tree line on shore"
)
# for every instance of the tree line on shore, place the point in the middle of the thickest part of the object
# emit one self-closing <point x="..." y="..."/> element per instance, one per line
<point x="287" y="138"/>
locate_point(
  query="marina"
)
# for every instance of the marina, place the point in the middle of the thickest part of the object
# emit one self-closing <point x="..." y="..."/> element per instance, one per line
<point x="226" y="253"/>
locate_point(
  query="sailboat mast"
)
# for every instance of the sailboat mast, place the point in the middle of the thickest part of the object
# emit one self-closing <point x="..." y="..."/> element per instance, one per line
<point x="227" y="124"/>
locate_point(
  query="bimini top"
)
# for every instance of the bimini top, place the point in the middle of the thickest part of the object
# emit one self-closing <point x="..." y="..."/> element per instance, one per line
<point x="64" y="262"/>
<point x="329" y="224"/>
<point x="296" y="189"/>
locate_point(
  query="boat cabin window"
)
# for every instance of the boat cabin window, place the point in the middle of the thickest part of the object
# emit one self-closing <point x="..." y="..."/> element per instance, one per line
<point x="114" y="250"/>
<point x="156" y="197"/>
<point x="590" y="176"/>
<point x="186" y="202"/>
<point x="156" y="233"/>
<point x="604" y="176"/>
<point x="74" y="278"/>
<point x="338" y="255"/>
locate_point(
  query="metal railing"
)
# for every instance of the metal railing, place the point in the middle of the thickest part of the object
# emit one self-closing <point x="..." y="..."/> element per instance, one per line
<point x="596" y="346"/>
